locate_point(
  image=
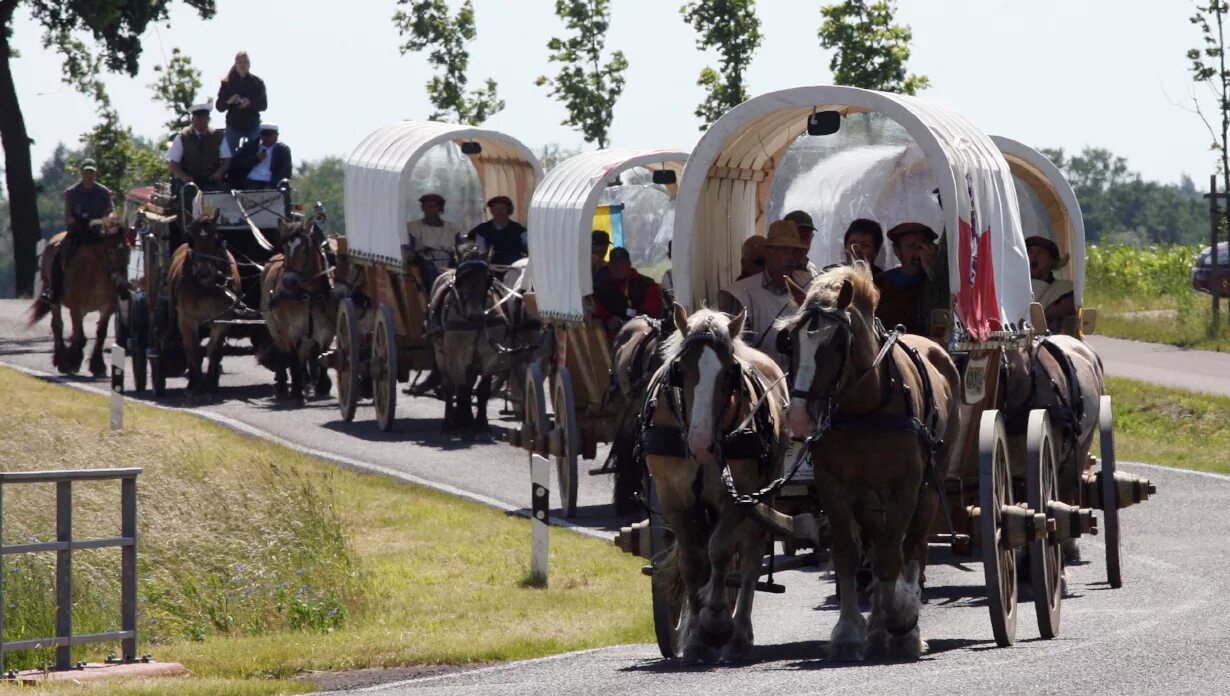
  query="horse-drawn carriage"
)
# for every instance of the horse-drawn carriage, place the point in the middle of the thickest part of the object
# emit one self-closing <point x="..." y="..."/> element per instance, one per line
<point x="246" y="221"/>
<point x="940" y="413"/>
<point x="381" y="324"/>
<point x="575" y="369"/>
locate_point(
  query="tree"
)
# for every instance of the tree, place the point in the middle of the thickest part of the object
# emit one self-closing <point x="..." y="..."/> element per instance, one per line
<point x="428" y="24"/>
<point x="115" y="27"/>
<point x="176" y="87"/>
<point x="733" y="28"/>
<point x="325" y="181"/>
<point x="554" y="153"/>
<point x="586" y="87"/>
<point x="871" y="50"/>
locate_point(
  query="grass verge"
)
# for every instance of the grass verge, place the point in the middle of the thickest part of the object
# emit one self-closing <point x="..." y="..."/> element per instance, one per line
<point x="1173" y="427"/>
<point x="259" y="564"/>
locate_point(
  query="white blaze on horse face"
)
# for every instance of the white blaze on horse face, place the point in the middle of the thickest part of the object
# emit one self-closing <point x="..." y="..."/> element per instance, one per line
<point x="700" y="426"/>
<point x="809" y="342"/>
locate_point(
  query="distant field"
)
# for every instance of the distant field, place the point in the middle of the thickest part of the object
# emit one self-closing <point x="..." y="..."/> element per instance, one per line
<point x="1146" y="295"/>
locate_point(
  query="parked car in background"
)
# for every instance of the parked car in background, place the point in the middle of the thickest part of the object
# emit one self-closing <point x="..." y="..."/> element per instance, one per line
<point x="1202" y="271"/>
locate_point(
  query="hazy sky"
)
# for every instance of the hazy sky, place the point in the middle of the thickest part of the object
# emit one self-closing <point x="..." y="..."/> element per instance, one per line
<point x="1110" y="73"/>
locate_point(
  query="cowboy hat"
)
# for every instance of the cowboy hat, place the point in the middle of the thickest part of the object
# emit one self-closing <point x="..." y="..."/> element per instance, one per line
<point x="784" y="233"/>
<point x="1051" y="248"/>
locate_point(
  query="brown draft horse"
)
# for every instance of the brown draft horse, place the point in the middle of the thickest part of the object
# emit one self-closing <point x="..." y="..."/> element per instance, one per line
<point x="205" y="286"/>
<point x="1062" y="375"/>
<point x="875" y="428"/>
<point x="634" y="360"/>
<point x="92" y="281"/>
<point x="719" y="404"/>
<point x="298" y="306"/>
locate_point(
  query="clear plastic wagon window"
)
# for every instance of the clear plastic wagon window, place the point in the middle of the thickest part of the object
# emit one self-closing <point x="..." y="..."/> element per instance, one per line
<point x="646" y="216"/>
<point x="870" y="168"/>
<point x="444" y="170"/>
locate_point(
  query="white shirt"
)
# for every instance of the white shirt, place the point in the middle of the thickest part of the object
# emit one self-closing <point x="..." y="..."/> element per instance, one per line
<point x="437" y="243"/>
<point x="176" y="153"/>
<point x="263" y="171"/>
<point x="764" y="307"/>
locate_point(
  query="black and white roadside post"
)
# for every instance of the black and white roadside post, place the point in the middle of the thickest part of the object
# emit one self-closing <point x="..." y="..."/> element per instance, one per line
<point x="118" y="358"/>
<point x="540" y="484"/>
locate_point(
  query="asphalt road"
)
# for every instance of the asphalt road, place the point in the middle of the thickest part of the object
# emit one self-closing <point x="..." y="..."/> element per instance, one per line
<point x="1164" y="631"/>
<point x="1197" y="370"/>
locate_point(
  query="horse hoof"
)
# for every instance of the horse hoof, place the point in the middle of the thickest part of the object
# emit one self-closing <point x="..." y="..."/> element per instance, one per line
<point x="714" y="630"/>
<point x="697" y="655"/>
<point x="279" y="391"/>
<point x="736" y="651"/>
<point x="847" y="652"/>
<point x="908" y="647"/>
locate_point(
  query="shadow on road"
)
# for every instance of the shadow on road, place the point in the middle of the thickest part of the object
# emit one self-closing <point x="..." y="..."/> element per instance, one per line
<point x="798" y="655"/>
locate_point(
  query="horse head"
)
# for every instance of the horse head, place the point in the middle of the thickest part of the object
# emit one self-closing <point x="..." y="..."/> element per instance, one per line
<point x="115" y="243"/>
<point x="303" y="252"/>
<point x="472" y="283"/>
<point x="820" y="339"/>
<point x="703" y="365"/>
<point x="210" y="263"/>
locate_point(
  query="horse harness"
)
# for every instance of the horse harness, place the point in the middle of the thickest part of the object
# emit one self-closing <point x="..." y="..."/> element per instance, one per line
<point x="1068" y="414"/>
<point x="492" y="317"/>
<point x="751" y="438"/>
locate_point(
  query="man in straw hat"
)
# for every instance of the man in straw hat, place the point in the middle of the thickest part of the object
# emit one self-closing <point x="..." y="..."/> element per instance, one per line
<point x="751" y="257"/>
<point x="199" y="154"/>
<point x="764" y="295"/>
<point x="1056" y="295"/>
<point x="806" y="270"/>
<point x="902" y="289"/>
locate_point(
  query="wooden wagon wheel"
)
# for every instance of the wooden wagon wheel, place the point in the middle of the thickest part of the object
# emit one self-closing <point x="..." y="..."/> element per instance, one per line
<point x="668" y="611"/>
<point x="534" y="412"/>
<point x="1110" y="493"/>
<point x="564" y="403"/>
<point x="1045" y="557"/>
<point x="998" y="560"/>
<point x="346" y="359"/>
<point x="384" y="368"/>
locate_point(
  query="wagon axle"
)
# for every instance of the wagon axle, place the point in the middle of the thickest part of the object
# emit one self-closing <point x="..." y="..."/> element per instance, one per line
<point x="1018" y="525"/>
<point x="1130" y="489"/>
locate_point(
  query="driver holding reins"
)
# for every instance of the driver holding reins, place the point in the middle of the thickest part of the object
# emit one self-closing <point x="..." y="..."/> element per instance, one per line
<point x="765" y="295"/>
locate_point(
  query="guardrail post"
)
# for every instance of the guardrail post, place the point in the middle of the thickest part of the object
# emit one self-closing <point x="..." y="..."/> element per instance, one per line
<point x="1" y="578"/>
<point x="540" y="506"/>
<point x="128" y="566"/>
<point x="64" y="575"/>
<point x="118" y="358"/>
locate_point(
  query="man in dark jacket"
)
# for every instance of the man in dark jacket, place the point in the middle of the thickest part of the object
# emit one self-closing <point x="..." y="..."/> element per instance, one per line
<point x="624" y="294"/>
<point x="199" y="154"/>
<point x="84" y="202"/>
<point x="263" y="163"/>
<point x="242" y="97"/>
<point x="501" y="234"/>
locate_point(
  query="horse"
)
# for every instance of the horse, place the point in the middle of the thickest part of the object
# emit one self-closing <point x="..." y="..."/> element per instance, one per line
<point x="881" y="428"/>
<point x="634" y="360"/>
<point x="95" y="275"/>
<point x="713" y="430"/>
<point x="205" y="285"/>
<point x="298" y="306"/>
<point x="468" y="322"/>
<point x="1062" y="375"/>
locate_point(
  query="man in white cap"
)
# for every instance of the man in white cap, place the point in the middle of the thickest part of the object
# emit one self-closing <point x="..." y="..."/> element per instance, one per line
<point x="199" y="154"/>
<point x="262" y="163"/>
<point x="765" y="295"/>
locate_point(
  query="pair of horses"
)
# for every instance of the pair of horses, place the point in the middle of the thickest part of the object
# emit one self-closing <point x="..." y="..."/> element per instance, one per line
<point x="882" y="426"/>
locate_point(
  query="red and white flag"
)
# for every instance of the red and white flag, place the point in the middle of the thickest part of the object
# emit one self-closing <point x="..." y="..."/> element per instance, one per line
<point x="977" y="304"/>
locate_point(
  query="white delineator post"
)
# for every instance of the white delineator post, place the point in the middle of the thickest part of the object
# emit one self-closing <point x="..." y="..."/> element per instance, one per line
<point x="118" y="358"/>
<point x="540" y="484"/>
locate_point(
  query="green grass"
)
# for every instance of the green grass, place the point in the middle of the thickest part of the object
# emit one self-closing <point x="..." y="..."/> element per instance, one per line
<point x="260" y="564"/>
<point x="1146" y="295"/>
<point x="1173" y="427"/>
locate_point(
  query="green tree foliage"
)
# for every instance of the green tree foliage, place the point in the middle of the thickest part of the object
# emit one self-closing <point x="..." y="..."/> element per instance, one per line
<point x="584" y="85"/>
<point x="324" y="181"/>
<point x="113" y="30"/>
<point x="554" y="153"/>
<point x="1119" y="206"/>
<point x="871" y="51"/>
<point x="732" y="27"/>
<point x="427" y="24"/>
<point x="176" y="87"/>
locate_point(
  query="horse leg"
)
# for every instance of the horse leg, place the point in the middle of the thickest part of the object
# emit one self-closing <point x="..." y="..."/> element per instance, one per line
<point x="751" y="543"/>
<point x="450" y="409"/>
<point x="59" y="352"/>
<point x="848" y="641"/>
<point x="627" y="476"/>
<point x="98" y="366"/>
<point x="898" y="597"/>
<point x="217" y="337"/>
<point x="188" y="331"/>
<point x="296" y="376"/>
<point x="76" y="340"/>
<point x="481" y="395"/>
<point x="279" y="376"/>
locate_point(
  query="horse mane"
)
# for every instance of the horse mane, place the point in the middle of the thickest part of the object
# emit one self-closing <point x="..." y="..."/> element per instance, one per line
<point x="708" y="321"/>
<point x="823" y="290"/>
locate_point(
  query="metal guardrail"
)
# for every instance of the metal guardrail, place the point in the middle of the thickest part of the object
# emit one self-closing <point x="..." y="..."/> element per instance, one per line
<point x="64" y="545"/>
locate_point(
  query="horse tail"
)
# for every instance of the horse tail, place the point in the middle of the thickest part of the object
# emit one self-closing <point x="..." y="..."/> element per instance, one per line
<point x="39" y="308"/>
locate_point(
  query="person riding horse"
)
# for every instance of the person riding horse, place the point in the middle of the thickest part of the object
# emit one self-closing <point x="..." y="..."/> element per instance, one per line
<point x="84" y="203"/>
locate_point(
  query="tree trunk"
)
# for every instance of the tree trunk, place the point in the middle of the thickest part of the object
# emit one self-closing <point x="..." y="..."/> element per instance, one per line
<point x="23" y="199"/>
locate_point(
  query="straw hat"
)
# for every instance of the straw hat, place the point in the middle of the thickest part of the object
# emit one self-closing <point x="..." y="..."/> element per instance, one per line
<point x="784" y="233"/>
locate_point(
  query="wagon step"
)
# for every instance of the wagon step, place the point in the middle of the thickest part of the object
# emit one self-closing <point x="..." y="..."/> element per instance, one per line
<point x="238" y="322"/>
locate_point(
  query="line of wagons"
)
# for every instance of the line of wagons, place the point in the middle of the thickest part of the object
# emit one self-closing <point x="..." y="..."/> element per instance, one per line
<point x="1006" y="505"/>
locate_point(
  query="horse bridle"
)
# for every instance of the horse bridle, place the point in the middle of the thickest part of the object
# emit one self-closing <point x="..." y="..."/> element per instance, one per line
<point x="674" y="372"/>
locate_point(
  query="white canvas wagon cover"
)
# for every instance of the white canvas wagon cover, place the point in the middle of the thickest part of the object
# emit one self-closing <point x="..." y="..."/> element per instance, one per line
<point x="561" y="218"/>
<point x="1060" y="212"/>
<point x="377" y="175"/>
<point x="724" y="191"/>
